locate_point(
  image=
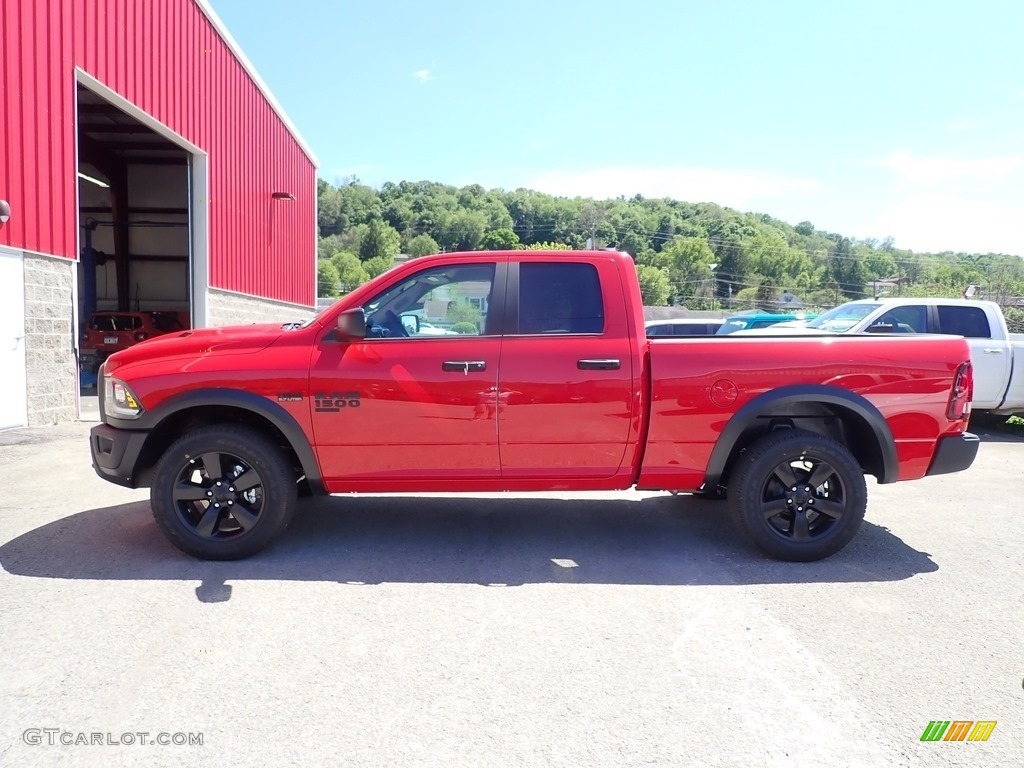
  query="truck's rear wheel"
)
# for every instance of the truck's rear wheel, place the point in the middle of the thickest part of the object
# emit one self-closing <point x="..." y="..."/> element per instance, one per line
<point x="798" y="495"/>
<point x="223" y="492"/>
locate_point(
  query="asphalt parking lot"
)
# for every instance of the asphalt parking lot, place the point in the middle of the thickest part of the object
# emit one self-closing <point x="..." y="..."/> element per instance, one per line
<point x="617" y="629"/>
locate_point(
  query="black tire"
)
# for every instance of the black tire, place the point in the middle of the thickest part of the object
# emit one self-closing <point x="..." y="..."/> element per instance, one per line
<point x="797" y="495"/>
<point x="223" y="492"/>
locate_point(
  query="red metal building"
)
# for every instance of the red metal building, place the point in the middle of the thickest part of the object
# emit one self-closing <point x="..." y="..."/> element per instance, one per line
<point x="143" y="127"/>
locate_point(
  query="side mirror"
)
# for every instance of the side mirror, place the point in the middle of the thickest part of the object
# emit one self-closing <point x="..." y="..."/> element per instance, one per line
<point x="411" y="323"/>
<point x="351" y="325"/>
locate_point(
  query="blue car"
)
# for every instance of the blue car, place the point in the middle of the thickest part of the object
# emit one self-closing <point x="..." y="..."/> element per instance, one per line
<point x="746" y="321"/>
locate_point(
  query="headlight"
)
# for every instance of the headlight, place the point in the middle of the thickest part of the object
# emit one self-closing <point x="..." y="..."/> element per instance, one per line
<point x="118" y="400"/>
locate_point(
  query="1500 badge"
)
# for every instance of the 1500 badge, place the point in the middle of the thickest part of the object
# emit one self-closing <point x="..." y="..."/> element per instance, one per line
<point x="335" y="402"/>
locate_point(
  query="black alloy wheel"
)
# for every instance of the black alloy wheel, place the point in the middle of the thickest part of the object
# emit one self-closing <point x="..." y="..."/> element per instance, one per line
<point x="223" y="492"/>
<point x="798" y="495"/>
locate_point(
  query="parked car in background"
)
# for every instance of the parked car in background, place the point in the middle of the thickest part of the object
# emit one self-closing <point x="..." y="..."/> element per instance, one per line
<point x="684" y="326"/>
<point x="110" y="332"/>
<point x="997" y="354"/>
<point x="429" y="329"/>
<point x="746" y="321"/>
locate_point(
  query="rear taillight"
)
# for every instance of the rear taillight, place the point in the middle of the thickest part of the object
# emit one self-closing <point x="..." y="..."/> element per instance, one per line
<point x="141" y="336"/>
<point x="963" y="391"/>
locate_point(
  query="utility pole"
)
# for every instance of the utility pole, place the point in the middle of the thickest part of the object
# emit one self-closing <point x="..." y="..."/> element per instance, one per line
<point x="588" y="223"/>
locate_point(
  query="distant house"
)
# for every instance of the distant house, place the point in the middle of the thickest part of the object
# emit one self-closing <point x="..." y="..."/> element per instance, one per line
<point x="887" y="286"/>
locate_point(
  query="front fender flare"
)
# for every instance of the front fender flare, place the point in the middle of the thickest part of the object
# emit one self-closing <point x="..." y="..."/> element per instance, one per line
<point x="235" y="398"/>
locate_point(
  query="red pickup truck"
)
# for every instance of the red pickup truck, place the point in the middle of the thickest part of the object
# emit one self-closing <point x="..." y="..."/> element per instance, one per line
<point x="549" y="382"/>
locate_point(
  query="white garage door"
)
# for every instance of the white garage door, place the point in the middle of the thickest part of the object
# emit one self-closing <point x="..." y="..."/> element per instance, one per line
<point x="13" y="397"/>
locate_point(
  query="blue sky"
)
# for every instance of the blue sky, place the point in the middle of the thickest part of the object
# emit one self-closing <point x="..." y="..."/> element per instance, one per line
<point x="869" y="118"/>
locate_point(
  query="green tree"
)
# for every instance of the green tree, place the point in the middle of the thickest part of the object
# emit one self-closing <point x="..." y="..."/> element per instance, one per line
<point x="351" y="239"/>
<point x="654" y="286"/>
<point x="461" y="312"/>
<point x="688" y="262"/>
<point x="423" y="245"/>
<point x="503" y="239"/>
<point x="378" y="265"/>
<point x="328" y="213"/>
<point x="878" y="265"/>
<point x="847" y="269"/>
<point x="381" y="241"/>
<point x="544" y="246"/>
<point x="351" y="271"/>
<point x="749" y="248"/>
<point x="328" y="246"/>
<point x="327" y="281"/>
<point x="462" y="230"/>
<point x="358" y="203"/>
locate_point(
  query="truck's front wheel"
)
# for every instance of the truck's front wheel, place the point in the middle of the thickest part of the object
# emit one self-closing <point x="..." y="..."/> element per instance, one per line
<point x="798" y="495"/>
<point x="222" y="492"/>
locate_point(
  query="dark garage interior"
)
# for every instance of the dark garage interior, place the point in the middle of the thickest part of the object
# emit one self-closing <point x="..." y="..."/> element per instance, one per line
<point x="134" y="233"/>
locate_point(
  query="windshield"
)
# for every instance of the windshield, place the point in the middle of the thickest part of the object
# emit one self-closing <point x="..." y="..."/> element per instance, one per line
<point x="115" y="323"/>
<point x="843" y="317"/>
<point x="731" y="326"/>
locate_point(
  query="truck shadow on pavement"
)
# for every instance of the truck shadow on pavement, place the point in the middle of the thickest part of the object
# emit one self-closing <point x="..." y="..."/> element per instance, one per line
<point x="661" y="540"/>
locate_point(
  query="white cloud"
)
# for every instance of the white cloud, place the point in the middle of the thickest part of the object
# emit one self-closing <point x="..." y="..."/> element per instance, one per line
<point x="735" y="189"/>
<point x="965" y="126"/>
<point x="939" y="169"/>
<point x="948" y="202"/>
<point x="943" y="222"/>
<point x="423" y="75"/>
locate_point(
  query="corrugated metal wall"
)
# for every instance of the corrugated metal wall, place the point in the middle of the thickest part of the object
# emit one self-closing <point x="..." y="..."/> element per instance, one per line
<point x="166" y="57"/>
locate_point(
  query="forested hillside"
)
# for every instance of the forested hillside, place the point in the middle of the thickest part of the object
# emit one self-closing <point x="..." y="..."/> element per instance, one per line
<point x="695" y="254"/>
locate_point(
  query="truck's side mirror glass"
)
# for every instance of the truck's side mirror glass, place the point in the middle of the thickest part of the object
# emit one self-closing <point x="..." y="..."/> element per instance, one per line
<point x="411" y="323"/>
<point x="351" y="325"/>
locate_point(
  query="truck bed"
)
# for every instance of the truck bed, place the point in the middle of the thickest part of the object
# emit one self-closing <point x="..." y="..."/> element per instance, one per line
<point x="698" y="385"/>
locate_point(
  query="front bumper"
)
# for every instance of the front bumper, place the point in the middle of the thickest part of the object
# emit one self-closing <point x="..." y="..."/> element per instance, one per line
<point x="954" y="453"/>
<point x="115" y="453"/>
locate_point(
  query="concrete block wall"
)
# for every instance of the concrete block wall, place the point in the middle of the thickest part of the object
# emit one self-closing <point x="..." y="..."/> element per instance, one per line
<point x="224" y="308"/>
<point x="51" y="370"/>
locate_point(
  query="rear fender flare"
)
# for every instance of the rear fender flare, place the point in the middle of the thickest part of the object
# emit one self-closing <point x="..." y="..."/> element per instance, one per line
<point x="776" y="401"/>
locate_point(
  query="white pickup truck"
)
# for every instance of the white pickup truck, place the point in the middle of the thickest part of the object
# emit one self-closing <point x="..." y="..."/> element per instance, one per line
<point x="997" y="354"/>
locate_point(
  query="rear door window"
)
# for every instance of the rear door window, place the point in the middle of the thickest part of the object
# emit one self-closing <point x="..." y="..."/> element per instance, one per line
<point x="560" y="298"/>
<point x="971" y="322"/>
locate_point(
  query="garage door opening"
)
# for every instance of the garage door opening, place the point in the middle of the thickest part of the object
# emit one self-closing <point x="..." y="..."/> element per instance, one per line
<point x="135" y="219"/>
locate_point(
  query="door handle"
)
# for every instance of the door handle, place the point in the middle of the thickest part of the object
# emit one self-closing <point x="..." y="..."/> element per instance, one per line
<point x="993" y="351"/>
<point x="464" y="365"/>
<point x="598" y="365"/>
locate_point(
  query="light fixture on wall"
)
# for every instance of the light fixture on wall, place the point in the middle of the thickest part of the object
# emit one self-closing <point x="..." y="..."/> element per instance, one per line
<point x="95" y="181"/>
<point x="5" y="212"/>
<point x="282" y="195"/>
